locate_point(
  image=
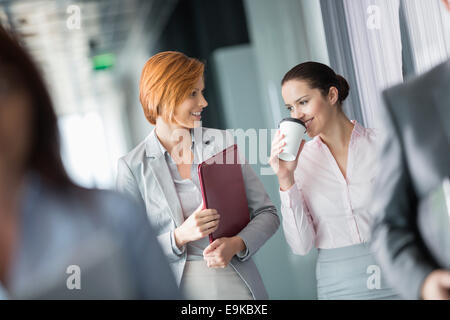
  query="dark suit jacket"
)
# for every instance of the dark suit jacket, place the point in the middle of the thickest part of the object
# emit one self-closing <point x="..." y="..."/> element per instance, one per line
<point x="414" y="159"/>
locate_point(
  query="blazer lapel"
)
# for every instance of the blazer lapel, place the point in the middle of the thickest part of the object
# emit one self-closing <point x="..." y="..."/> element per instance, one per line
<point x="162" y="175"/>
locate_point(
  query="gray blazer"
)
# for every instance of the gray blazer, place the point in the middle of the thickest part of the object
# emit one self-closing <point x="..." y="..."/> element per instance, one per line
<point x="144" y="174"/>
<point x="75" y="228"/>
<point x="414" y="159"/>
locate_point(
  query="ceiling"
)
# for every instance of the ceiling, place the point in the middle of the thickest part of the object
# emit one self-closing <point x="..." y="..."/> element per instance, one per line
<point x="64" y="35"/>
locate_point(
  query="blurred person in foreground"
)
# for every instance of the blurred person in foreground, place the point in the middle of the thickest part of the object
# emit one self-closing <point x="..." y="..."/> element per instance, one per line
<point x="48" y="225"/>
<point x="414" y="160"/>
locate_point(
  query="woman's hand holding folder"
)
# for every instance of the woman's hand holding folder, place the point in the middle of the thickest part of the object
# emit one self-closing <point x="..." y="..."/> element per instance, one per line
<point x="198" y="225"/>
<point x="219" y="253"/>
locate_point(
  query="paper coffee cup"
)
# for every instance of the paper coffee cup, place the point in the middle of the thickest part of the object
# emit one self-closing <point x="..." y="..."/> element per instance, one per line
<point x="294" y="131"/>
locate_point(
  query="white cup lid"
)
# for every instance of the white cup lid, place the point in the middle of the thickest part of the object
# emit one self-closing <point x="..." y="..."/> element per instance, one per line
<point x="293" y="120"/>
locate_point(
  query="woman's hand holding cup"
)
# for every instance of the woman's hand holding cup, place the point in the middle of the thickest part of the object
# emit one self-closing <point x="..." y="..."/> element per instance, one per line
<point x="283" y="169"/>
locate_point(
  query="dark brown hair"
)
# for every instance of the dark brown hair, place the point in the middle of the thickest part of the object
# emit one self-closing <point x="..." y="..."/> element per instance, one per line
<point x="18" y="71"/>
<point x="319" y="76"/>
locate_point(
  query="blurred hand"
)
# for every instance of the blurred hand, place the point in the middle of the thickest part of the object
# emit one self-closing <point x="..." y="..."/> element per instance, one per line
<point x="283" y="169"/>
<point x="198" y="225"/>
<point x="219" y="253"/>
<point x="437" y="286"/>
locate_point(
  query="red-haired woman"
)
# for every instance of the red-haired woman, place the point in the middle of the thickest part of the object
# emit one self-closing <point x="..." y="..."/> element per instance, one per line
<point x="161" y="173"/>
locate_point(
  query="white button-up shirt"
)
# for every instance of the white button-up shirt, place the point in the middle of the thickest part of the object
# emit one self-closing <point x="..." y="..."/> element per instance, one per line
<point x="324" y="209"/>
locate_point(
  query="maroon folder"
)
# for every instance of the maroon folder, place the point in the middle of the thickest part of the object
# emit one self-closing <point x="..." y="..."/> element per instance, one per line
<point x="223" y="189"/>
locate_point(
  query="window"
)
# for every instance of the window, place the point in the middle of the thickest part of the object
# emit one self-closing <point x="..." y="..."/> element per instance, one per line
<point x="428" y="28"/>
<point x="84" y="150"/>
<point x="366" y="50"/>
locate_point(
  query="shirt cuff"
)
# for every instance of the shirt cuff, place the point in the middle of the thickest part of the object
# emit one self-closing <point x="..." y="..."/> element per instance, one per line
<point x="290" y="197"/>
<point x="175" y="249"/>
<point x="242" y="254"/>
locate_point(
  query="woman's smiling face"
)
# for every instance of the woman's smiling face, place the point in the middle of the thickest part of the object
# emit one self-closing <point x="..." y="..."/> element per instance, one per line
<point x="188" y="113"/>
<point x="309" y="105"/>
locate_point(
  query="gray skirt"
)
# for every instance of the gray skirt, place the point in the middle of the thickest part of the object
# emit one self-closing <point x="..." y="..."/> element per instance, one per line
<point x="351" y="273"/>
<point x="202" y="283"/>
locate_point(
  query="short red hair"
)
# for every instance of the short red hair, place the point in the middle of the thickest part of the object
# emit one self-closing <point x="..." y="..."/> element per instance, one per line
<point x="167" y="80"/>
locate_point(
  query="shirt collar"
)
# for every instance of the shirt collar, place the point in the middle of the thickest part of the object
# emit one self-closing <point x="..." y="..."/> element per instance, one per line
<point x="358" y="130"/>
<point x="164" y="150"/>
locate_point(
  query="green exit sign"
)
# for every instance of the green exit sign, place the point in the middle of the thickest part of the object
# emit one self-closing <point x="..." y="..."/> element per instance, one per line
<point x="103" y="61"/>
